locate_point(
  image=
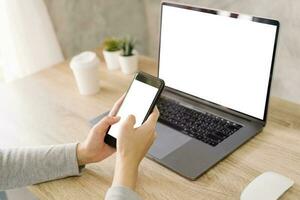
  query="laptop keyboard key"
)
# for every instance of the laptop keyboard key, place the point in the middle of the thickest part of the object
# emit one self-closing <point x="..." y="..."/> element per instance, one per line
<point x="206" y="127"/>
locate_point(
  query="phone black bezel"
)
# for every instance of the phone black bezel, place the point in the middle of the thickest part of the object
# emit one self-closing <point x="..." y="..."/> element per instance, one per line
<point x="150" y="80"/>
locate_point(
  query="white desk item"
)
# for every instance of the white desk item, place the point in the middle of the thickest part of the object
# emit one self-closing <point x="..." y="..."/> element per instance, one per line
<point x="111" y="59"/>
<point x="267" y="186"/>
<point x="85" y="68"/>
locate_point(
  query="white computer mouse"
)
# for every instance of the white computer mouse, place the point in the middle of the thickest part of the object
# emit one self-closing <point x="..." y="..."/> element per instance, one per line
<point x="267" y="186"/>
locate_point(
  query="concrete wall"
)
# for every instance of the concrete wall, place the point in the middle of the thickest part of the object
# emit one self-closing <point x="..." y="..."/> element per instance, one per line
<point x="82" y="25"/>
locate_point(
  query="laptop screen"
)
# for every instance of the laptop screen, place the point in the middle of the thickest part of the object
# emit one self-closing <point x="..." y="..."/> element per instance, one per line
<point x="221" y="57"/>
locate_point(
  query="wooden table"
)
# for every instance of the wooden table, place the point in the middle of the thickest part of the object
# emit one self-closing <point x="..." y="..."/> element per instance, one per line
<point x="46" y="108"/>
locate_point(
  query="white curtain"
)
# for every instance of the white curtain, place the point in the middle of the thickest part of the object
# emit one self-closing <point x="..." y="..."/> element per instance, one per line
<point x="27" y="39"/>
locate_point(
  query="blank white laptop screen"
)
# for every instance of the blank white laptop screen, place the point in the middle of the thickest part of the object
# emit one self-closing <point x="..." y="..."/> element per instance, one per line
<point x="221" y="59"/>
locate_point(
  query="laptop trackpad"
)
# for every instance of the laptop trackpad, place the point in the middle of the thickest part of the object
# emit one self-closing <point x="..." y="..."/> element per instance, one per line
<point x="167" y="141"/>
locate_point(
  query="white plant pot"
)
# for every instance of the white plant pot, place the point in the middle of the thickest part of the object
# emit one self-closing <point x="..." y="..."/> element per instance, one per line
<point x="129" y="64"/>
<point x="112" y="59"/>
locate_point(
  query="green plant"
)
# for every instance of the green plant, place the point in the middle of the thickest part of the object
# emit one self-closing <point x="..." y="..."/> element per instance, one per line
<point x="128" y="46"/>
<point x="112" y="44"/>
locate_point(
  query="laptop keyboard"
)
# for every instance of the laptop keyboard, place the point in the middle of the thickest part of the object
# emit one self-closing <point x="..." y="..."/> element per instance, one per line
<point x="208" y="128"/>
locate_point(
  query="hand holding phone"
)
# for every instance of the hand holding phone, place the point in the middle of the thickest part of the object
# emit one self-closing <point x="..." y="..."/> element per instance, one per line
<point x="132" y="146"/>
<point x="139" y="101"/>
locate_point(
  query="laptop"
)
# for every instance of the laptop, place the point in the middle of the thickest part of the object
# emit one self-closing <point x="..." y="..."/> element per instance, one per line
<point x="217" y="67"/>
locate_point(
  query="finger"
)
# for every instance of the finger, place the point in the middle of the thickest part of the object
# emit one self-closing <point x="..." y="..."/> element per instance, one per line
<point x="117" y="106"/>
<point x="108" y="150"/>
<point x="103" y="125"/>
<point x="156" y="111"/>
<point x="154" y="135"/>
<point x="150" y="123"/>
<point x="129" y="122"/>
<point x="151" y="140"/>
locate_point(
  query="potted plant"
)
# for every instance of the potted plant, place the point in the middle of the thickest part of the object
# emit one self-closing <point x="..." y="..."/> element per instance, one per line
<point x="129" y="57"/>
<point x="111" y="51"/>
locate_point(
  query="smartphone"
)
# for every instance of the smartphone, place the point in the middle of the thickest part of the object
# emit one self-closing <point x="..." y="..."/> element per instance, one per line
<point x="140" y="99"/>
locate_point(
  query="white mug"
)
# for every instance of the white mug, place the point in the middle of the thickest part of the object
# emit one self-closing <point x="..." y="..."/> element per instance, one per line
<point x="85" y="68"/>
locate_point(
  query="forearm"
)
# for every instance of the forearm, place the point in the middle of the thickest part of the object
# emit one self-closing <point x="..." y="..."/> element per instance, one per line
<point x="124" y="181"/>
<point x="25" y="166"/>
<point x="125" y="174"/>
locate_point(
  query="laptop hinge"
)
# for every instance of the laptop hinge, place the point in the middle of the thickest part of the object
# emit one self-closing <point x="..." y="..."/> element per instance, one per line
<point x="214" y="106"/>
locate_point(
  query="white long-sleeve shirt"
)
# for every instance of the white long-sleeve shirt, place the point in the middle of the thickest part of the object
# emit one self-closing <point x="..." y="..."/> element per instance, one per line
<point x="31" y="165"/>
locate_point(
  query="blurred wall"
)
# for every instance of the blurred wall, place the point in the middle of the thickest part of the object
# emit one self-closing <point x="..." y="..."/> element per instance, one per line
<point x="82" y="24"/>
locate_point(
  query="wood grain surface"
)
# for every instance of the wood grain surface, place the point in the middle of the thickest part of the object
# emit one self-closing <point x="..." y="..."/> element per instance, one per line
<point x="46" y="108"/>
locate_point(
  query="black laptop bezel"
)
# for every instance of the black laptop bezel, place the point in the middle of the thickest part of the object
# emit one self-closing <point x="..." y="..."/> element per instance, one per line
<point x="232" y="15"/>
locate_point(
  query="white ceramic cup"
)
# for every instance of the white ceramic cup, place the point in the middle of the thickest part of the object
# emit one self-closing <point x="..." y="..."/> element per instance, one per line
<point x="85" y="68"/>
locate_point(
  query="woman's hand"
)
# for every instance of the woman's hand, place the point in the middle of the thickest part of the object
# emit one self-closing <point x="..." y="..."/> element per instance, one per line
<point x="132" y="146"/>
<point x="93" y="149"/>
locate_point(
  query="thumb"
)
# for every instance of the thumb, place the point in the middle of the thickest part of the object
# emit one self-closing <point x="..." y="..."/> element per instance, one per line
<point x="152" y="120"/>
<point x="105" y="123"/>
<point x="129" y="122"/>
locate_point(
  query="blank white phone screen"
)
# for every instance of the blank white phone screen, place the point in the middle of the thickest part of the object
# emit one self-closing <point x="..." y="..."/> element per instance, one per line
<point x="137" y="102"/>
<point x="221" y="59"/>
